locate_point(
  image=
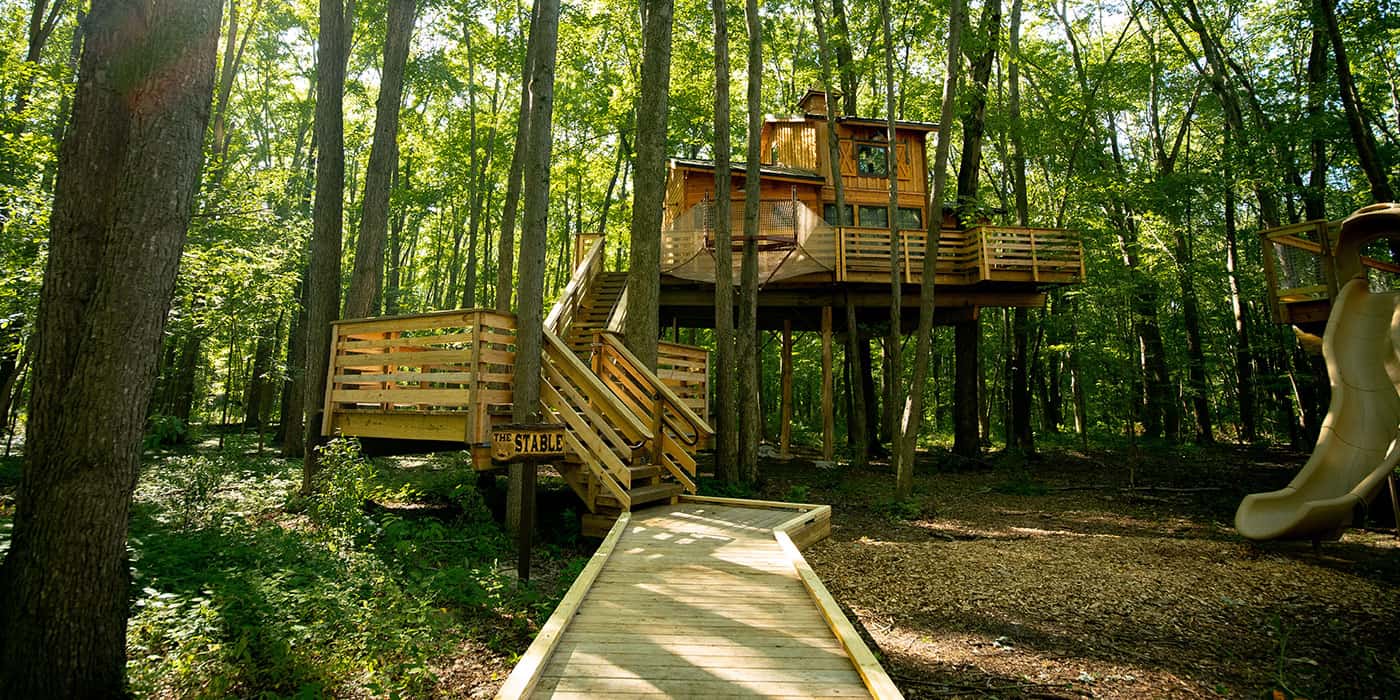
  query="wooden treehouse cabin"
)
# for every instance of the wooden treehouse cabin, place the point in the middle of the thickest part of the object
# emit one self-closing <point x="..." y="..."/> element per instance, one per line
<point x="442" y="380"/>
<point x="1301" y="271"/>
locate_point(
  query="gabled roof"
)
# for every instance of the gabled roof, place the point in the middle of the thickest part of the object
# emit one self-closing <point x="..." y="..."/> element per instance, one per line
<point x="871" y="121"/>
<point x="778" y="171"/>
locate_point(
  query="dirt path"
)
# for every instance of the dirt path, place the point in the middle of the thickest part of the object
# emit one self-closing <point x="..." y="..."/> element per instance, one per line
<point x="1070" y="584"/>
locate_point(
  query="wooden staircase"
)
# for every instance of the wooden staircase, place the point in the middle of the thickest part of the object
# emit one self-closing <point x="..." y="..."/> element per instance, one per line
<point x="595" y="311"/>
<point x="633" y="439"/>
<point x="444" y="380"/>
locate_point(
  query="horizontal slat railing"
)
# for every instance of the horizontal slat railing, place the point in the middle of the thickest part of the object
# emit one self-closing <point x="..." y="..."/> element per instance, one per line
<point x="452" y="365"/>
<point x="981" y="254"/>
<point x="1029" y="254"/>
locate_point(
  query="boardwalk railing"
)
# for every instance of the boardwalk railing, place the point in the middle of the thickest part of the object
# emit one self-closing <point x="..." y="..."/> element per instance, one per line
<point x="586" y="273"/>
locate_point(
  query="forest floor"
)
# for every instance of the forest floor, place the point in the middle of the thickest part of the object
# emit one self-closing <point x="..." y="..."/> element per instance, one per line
<point x="1096" y="574"/>
<point x="1082" y="574"/>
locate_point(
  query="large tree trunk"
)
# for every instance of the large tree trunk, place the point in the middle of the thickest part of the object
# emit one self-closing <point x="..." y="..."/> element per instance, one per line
<point x="750" y="418"/>
<point x="727" y="424"/>
<point x="534" y="234"/>
<point x="323" y="267"/>
<point x="125" y="192"/>
<point x="966" y="437"/>
<point x="649" y="186"/>
<point x="1315" y="194"/>
<point x="383" y="161"/>
<point x="1361" y="136"/>
<point x="505" y="256"/>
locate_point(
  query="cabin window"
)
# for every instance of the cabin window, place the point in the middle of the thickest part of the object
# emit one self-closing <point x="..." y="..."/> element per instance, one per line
<point x="911" y="218"/>
<point x="872" y="160"/>
<point x="829" y="214"/>
<point x="875" y="217"/>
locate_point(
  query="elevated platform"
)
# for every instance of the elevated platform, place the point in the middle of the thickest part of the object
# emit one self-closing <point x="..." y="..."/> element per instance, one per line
<point x="705" y="598"/>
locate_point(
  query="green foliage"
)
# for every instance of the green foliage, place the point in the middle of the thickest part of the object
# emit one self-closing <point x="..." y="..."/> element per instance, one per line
<point x="797" y="493"/>
<point x="912" y="508"/>
<point x="1021" y="485"/>
<point x="235" y="597"/>
<point x="165" y="431"/>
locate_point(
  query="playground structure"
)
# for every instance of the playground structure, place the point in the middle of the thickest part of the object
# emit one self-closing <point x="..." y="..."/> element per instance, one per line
<point x="1358" y="446"/>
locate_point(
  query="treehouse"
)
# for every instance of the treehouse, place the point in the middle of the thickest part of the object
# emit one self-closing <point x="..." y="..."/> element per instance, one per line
<point x="811" y="256"/>
<point x="1301" y="271"/>
<point x="443" y="380"/>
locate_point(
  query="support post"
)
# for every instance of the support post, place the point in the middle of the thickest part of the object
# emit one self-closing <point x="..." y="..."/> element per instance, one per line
<point x="828" y="417"/>
<point x="529" y="474"/>
<point x="785" y="442"/>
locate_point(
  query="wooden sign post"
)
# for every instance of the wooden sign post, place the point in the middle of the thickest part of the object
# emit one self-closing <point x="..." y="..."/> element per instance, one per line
<point x="524" y="446"/>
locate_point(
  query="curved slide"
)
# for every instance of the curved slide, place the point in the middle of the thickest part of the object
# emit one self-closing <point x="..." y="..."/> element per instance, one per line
<point x="1357" y="447"/>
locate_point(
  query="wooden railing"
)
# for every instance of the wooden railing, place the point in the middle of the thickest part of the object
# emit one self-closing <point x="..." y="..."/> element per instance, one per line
<point x="435" y="376"/>
<point x="604" y="432"/>
<point x="678" y="430"/>
<point x="686" y="370"/>
<point x="586" y="273"/>
<point x="982" y="254"/>
<point x="1028" y="254"/>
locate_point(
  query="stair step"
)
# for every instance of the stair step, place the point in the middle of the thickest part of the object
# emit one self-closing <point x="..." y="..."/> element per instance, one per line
<point x="645" y="494"/>
<point x="644" y="472"/>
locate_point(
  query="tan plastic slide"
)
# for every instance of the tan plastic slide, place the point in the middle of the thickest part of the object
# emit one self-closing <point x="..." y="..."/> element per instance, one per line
<point x="1357" y="447"/>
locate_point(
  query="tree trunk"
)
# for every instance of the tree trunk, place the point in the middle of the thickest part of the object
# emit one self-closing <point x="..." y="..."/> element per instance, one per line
<point x="1361" y="136"/>
<point x="291" y="426"/>
<point x="845" y="63"/>
<point x="323" y="266"/>
<point x="1244" y="356"/>
<point x="649" y="186"/>
<point x="125" y="192"/>
<point x="534" y="233"/>
<point x="727" y="425"/>
<point x="255" y="394"/>
<point x="1315" y="194"/>
<point x="750" y="431"/>
<point x="912" y="416"/>
<point x="966" y="368"/>
<point x="894" y="374"/>
<point x="505" y="256"/>
<point x="1020" y="437"/>
<point x="383" y="161"/>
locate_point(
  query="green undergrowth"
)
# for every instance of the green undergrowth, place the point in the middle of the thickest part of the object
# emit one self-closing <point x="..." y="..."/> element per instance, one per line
<point x="371" y="587"/>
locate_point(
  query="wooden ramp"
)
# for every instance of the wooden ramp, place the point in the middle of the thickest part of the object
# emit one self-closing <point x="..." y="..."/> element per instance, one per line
<point x="706" y="598"/>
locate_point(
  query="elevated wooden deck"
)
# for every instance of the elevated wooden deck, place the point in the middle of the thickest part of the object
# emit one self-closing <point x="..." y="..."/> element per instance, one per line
<point x="707" y="598"/>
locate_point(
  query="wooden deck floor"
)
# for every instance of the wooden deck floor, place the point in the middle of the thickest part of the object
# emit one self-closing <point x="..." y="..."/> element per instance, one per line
<point x="698" y="599"/>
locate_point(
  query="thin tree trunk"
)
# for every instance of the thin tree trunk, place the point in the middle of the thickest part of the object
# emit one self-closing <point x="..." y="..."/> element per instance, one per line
<point x="505" y="256"/>
<point x="367" y="274"/>
<point x="291" y="429"/>
<point x="127" y="179"/>
<point x="747" y="336"/>
<point x="913" y="414"/>
<point x="1020" y="437"/>
<point x="1244" y="356"/>
<point x="727" y="424"/>
<point x="894" y="374"/>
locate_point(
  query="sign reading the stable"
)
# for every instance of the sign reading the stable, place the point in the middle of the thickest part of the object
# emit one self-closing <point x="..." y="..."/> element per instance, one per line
<point x="535" y="441"/>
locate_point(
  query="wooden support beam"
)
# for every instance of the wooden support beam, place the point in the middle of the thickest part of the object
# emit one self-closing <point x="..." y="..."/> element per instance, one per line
<point x="785" y="442"/>
<point x="828" y="416"/>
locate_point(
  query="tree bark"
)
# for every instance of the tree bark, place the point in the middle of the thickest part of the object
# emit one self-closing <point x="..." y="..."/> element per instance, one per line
<point x="727" y="425"/>
<point x="323" y="267"/>
<point x="505" y="256"/>
<point x="845" y="63"/>
<point x="912" y="416"/>
<point x="1020" y="436"/>
<point x="750" y="418"/>
<point x="127" y="178"/>
<point x="383" y="161"/>
<point x="1361" y="136"/>
<point x="894" y="371"/>
<point x="649" y="184"/>
<point x="534" y="232"/>
<point x="1244" y="356"/>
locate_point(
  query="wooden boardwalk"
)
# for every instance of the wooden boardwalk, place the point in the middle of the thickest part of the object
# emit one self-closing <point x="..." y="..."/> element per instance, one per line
<point x="701" y="599"/>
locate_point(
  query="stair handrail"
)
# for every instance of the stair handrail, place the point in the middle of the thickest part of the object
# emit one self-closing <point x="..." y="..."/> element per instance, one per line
<point x="561" y="315"/>
<point x="600" y="394"/>
<point x="697" y="425"/>
<point x="618" y="318"/>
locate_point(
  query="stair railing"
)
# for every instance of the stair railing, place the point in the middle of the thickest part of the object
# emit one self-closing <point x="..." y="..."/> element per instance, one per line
<point x="678" y="430"/>
<point x="603" y="433"/>
<point x="586" y="274"/>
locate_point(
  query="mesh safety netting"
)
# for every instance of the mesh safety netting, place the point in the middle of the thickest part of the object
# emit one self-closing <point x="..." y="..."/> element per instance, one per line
<point x="792" y="240"/>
